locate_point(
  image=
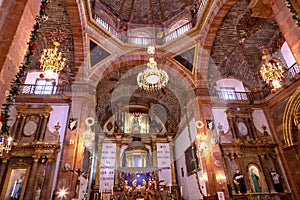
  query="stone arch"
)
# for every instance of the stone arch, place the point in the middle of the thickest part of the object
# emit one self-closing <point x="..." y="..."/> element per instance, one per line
<point x="76" y="17"/>
<point x="135" y="60"/>
<point x="111" y="77"/>
<point x="215" y="23"/>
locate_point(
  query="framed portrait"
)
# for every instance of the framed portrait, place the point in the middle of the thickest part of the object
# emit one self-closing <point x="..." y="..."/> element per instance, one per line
<point x="189" y="162"/>
<point x="15" y="182"/>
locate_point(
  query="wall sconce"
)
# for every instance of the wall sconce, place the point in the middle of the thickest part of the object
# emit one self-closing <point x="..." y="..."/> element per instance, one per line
<point x="220" y="178"/>
<point x="71" y="142"/>
<point x="204" y="178"/>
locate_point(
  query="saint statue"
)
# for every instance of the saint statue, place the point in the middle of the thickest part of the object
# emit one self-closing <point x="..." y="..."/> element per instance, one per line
<point x="276" y="181"/>
<point x="255" y="181"/>
<point x="239" y="182"/>
<point x="17" y="189"/>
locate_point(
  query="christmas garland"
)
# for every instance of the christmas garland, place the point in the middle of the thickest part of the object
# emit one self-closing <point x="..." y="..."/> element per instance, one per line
<point x="16" y="83"/>
<point x="194" y="158"/>
<point x="293" y="11"/>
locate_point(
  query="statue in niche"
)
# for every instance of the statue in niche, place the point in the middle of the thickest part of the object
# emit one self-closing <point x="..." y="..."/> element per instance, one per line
<point x="239" y="182"/>
<point x="255" y="180"/>
<point x="137" y="118"/>
<point x="17" y="189"/>
<point x="276" y="179"/>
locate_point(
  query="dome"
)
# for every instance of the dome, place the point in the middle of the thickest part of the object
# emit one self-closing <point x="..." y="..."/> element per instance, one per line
<point x="142" y="12"/>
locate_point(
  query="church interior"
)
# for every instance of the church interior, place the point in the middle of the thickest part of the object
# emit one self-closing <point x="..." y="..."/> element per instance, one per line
<point x="150" y="99"/>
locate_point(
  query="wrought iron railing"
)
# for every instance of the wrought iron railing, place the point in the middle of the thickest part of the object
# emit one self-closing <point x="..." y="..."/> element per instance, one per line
<point x="42" y="89"/>
<point x="126" y="38"/>
<point x="291" y="73"/>
<point x="288" y="77"/>
<point x="178" y="32"/>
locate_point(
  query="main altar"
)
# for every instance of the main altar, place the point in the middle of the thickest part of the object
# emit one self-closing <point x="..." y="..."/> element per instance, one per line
<point x="135" y="159"/>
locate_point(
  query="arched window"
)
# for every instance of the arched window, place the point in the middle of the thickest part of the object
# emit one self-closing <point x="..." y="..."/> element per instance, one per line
<point x="287" y="55"/>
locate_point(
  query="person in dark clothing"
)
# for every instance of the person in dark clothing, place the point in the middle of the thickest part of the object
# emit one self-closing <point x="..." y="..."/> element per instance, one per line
<point x="239" y="182"/>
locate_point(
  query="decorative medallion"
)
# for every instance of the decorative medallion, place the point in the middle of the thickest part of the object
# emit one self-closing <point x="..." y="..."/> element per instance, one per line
<point x="30" y="128"/>
<point x="242" y="128"/>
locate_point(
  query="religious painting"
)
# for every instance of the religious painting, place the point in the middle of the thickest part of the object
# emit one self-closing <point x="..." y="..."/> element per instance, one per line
<point x="15" y="183"/>
<point x="97" y="53"/>
<point x="73" y="123"/>
<point x="190" y="163"/>
<point x="187" y="59"/>
<point x="210" y="124"/>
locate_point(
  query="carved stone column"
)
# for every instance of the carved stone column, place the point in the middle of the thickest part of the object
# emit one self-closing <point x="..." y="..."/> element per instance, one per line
<point x="229" y="175"/>
<point x="3" y="168"/>
<point x="118" y="151"/>
<point x="277" y="168"/>
<point x="43" y="126"/>
<point x="240" y="161"/>
<point x="38" y="132"/>
<point x="266" y="166"/>
<point x="231" y="124"/>
<point x="47" y="188"/>
<point x="14" y="129"/>
<point x="154" y="150"/>
<point x="22" y="122"/>
<point x="30" y="189"/>
<point x="100" y="142"/>
<point x="172" y="164"/>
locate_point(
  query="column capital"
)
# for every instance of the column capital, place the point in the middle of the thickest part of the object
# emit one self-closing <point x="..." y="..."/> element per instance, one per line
<point x="35" y="158"/>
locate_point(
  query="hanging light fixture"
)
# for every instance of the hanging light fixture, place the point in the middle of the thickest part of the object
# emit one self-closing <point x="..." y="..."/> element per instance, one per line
<point x="5" y="144"/>
<point x="52" y="62"/>
<point x="271" y="69"/>
<point x="152" y="78"/>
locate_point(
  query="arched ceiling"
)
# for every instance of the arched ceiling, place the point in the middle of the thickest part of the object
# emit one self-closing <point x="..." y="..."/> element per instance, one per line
<point x="107" y="103"/>
<point x="148" y="12"/>
<point x="236" y="47"/>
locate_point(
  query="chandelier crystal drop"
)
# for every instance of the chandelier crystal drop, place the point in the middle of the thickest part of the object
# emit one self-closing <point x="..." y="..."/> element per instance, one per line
<point x="52" y="62"/>
<point x="152" y="78"/>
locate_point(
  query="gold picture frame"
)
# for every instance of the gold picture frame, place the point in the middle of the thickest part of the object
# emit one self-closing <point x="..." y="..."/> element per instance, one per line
<point x="15" y="182"/>
<point x="190" y="165"/>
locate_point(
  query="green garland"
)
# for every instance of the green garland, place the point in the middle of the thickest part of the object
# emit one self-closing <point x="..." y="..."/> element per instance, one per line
<point x="194" y="158"/>
<point x="16" y="83"/>
<point x="293" y="11"/>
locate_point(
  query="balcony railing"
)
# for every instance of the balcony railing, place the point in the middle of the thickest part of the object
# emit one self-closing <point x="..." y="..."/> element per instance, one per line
<point x="291" y="72"/>
<point x="288" y="77"/>
<point x="126" y="38"/>
<point x="43" y="89"/>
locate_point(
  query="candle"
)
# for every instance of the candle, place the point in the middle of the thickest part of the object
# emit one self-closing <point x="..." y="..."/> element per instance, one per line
<point x="181" y="191"/>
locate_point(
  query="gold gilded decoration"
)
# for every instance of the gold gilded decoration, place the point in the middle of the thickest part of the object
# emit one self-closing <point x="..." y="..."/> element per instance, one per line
<point x="291" y="110"/>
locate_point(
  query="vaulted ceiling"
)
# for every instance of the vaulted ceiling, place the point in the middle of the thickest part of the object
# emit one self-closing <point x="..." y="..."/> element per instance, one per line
<point x="235" y="51"/>
<point x="236" y="48"/>
<point x="145" y="12"/>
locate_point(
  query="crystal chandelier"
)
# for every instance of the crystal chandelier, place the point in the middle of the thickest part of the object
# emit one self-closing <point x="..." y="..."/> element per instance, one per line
<point x="271" y="71"/>
<point x="152" y="78"/>
<point x="52" y="62"/>
<point x="5" y="144"/>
